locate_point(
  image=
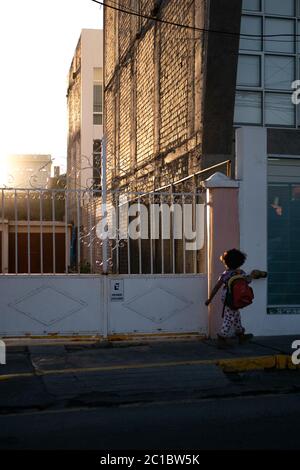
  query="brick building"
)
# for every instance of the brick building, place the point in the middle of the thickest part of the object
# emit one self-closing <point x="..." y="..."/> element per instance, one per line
<point x="169" y="90"/>
<point x="159" y="123"/>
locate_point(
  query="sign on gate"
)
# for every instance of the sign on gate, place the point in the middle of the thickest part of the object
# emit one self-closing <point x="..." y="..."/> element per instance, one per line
<point x="117" y="289"/>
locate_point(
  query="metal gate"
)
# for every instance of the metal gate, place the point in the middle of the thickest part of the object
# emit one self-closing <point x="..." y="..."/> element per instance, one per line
<point x="72" y="266"/>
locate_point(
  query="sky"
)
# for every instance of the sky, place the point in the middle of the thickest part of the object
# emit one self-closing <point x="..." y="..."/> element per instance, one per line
<point x="37" y="42"/>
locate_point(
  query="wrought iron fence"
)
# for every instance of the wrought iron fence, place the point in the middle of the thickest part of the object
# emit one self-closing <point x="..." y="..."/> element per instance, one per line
<point x="52" y="231"/>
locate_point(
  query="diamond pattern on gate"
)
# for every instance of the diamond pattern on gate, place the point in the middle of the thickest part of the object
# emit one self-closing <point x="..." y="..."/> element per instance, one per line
<point x="157" y="304"/>
<point x="48" y="305"/>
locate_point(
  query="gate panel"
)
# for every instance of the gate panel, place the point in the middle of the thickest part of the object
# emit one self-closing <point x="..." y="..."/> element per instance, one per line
<point x="156" y="304"/>
<point x="41" y="305"/>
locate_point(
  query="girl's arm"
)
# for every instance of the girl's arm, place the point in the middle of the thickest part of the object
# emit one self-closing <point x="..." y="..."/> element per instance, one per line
<point x="214" y="291"/>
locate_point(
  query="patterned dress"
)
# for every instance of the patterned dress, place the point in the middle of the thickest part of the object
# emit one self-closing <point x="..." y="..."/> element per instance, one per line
<point x="232" y="318"/>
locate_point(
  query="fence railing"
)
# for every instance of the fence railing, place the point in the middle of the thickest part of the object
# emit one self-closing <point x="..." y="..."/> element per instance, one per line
<point x="52" y="231"/>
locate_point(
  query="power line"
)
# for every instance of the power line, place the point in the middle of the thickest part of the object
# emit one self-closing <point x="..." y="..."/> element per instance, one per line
<point x="194" y="28"/>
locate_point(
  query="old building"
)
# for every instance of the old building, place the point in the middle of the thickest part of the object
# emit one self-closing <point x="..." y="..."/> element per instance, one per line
<point x="85" y="111"/>
<point x="169" y="89"/>
<point x="169" y="100"/>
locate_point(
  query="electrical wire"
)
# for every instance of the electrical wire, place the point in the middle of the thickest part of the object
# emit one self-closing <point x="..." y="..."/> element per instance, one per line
<point x="194" y="28"/>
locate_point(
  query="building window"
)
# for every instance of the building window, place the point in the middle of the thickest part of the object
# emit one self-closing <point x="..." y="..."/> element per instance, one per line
<point x="251" y="25"/>
<point x="280" y="43"/>
<point x="280" y="7"/>
<point x="252" y="5"/>
<point x="249" y="71"/>
<point x="98" y="97"/>
<point x="268" y="66"/>
<point x="97" y="147"/>
<point x="248" y="109"/>
<point x="279" y="110"/>
<point x="283" y="236"/>
<point x="279" y="72"/>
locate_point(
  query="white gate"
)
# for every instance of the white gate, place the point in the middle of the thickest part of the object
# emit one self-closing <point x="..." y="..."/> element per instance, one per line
<point x="159" y="304"/>
<point x="85" y="305"/>
<point x="52" y="280"/>
<point x="43" y="305"/>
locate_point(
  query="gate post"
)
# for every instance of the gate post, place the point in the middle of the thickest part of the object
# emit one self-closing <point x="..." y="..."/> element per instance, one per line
<point x="222" y="234"/>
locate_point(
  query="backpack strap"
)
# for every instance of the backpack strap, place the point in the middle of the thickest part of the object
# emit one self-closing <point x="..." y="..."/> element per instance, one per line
<point x="234" y="278"/>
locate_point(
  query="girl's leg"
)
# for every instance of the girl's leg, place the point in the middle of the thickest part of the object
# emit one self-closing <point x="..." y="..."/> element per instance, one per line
<point x="237" y="323"/>
<point x="228" y="322"/>
<point x="239" y="330"/>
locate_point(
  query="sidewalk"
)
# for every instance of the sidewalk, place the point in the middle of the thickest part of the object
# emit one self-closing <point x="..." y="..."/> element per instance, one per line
<point x="44" y="356"/>
<point x="42" y="374"/>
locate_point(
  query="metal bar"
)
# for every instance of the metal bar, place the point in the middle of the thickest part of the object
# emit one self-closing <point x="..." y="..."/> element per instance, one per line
<point x="228" y="168"/>
<point x="53" y="234"/>
<point x="78" y="196"/>
<point x="3" y="228"/>
<point x="183" y="236"/>
<point x="128" y="243"/>
<point x="195" y="227"/>
<point x="28" y="234"/>
<point x="66" y="230"/>
<point x="152" y="218"/>
<point x="140" y="238"/>
<point x="104" y="200"/>
<point x="90" y="226"/>
<point x="41" y="233"/>
<point x="16" y="232"/>
<point x="173" y="232"/>
<point x="162" y="239"/>
<point x="117" y="235"/>
<point x="186" y="178"/>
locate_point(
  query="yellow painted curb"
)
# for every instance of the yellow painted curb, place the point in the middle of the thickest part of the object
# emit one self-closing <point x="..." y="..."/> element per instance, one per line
<point x="278" y="361"/>
<point x="248" y="363"/>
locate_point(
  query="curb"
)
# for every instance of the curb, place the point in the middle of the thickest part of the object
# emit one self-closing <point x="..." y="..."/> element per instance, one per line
<point x="278" y="361"/>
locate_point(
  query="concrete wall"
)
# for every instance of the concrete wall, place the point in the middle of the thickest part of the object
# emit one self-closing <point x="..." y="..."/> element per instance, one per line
<point x="251" y="171"/>
<point x="221" y="58"/>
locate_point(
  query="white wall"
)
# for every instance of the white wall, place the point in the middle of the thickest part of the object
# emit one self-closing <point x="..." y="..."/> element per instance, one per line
<point x="252" y="171"/>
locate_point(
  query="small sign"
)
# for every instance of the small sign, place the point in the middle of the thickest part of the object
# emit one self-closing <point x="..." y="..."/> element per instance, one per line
<point x="117" y="289"/>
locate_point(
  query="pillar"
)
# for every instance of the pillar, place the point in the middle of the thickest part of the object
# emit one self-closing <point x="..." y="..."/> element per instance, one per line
<point x="222" y="234"/>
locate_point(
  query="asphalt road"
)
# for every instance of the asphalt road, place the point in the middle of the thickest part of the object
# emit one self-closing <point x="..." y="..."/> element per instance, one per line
<point x="257" y="422"/>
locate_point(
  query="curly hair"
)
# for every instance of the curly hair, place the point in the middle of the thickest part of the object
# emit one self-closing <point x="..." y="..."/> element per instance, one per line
<point x="233" y="258"/>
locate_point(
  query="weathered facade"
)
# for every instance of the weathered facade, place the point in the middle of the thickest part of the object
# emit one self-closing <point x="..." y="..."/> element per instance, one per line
<point x="169" y="90"/>
<point x="85" y="113"/>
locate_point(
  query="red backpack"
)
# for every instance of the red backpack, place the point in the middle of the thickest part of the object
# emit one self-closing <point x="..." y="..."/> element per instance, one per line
<point x="239" y="294"/>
